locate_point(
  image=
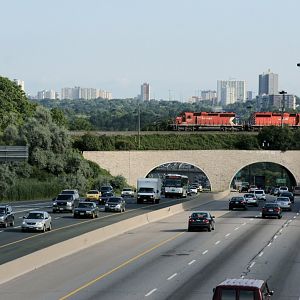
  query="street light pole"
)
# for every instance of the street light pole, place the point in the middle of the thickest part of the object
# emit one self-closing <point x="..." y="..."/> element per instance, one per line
<point x="282" y="105"/>
<point x="139" y="125"/>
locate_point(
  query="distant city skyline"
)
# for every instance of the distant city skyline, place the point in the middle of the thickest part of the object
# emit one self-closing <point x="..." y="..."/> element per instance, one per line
<point x="177" y="46"/>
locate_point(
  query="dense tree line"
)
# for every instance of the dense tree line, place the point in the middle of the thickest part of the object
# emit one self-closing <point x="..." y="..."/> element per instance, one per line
<point x="53" y="163"/>
<point x="122" y="114"/>
<point x="271" y="138"/>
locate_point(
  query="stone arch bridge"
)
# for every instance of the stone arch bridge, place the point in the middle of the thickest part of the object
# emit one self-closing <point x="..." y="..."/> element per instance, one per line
<point x="220" y="166"/>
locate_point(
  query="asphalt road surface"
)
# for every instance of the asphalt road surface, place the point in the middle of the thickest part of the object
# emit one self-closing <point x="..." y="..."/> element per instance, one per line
<point x="164" y="261"/>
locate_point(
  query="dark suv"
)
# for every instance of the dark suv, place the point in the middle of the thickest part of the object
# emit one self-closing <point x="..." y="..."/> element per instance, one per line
<point x="6" y="216"/>
<point x="237" y="202"/>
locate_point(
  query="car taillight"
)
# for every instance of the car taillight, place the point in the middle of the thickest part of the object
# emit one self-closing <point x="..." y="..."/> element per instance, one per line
<point x="206" y="221"/>
<point x="277" y="209"/>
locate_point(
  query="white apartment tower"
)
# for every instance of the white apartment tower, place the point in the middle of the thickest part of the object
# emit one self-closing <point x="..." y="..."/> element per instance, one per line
<point x="231" y="91"/>
<point x="145" y="92"/>
<point x="20" y="83"/>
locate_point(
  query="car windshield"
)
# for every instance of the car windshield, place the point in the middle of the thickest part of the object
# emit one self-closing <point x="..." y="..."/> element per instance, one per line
<point x="259" y="192"/>
<point x="127" y="190"/>
<point x="199" y="215"/>
<point x="93" y="192"/>
<point x="237" y="199"/>
<point x="114" y="200"/>
<point x="67" y="192"/>
<point x="271" y="205"/>
<point x="146" y="190"/>
<point x="286" y="194"/>
<point x="85" y="205"/>
<point x="64" y="197"/>
<point x="107" y="194"/>
<point x="35" y="216"/>
<point x="2" y="210"/>
<point x="248" y="195"/>
<point x="106" y="188"/>
<point x="283" y="199"/>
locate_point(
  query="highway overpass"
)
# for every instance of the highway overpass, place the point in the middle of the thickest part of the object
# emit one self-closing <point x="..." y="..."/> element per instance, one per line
<point x="220" y="166"/>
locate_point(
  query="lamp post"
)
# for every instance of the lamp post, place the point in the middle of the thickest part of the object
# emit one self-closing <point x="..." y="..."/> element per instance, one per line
<point x="139" y="125"/>
<point x="282" y="105"/>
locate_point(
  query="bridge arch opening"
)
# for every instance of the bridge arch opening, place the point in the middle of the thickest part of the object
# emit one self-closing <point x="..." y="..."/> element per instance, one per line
<point x="264" y="175"/>
<point x="194" y="173"/>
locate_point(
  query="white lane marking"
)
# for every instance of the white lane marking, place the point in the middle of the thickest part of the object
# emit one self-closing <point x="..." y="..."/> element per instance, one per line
<point x="1" y="230"/>
<point x="191" y="262"/>
<point x="244" y="224"/>
<point x="56" y="218"/>
<point x="172" y="276"/>
<point x="17" y="227"/>
<point x="297" y="214"/>
<point x="204" y="252"/>
<point x="269" y="244"/>
<point x="261" y="254"/>
<point x="275" y="237"/>
<point x="236" y="228"/>
<point x="257" y="216"/>
<point x="285" y="225"/>
<point x="295" y="217"/>
<point x="252" y="264"/>
<point x="280" y="230"/>
<point x="228" y="234"/>
<point x="243" y="276"/>
<point x="20" y="217"/>
<point x="217" y="242"/>
<point x="251" y="219"/>
<point x="151" y="292"/>
<point x="289" y="221"/>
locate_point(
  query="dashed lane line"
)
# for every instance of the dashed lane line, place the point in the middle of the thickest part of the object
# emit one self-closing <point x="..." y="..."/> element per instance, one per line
<point x="252" y="264"/>
<point x="151" y="292"/>
<point x="172" y="276"/>
<point x="204" y="252"/>
<point x="260" y="254"/>
<point x="191" y="262"/>
<point x="217" y="242"/>
<point x="228" y="234"/>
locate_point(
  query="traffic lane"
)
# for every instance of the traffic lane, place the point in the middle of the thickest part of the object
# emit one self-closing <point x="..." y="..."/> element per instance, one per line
<point x="279" y="262"/>
<point x="15" y="243"/>
<point x="127" y="271"/>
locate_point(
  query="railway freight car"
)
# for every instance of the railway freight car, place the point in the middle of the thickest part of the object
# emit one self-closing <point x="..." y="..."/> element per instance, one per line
<point x="264" y="119"/>
<point x="206" y="120"/>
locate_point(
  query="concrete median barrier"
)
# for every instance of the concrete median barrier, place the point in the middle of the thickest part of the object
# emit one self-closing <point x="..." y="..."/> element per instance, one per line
<point x="28" y="263"/>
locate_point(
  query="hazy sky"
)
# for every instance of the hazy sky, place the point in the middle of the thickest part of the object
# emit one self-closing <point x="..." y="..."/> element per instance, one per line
<point x="178" y="46"/>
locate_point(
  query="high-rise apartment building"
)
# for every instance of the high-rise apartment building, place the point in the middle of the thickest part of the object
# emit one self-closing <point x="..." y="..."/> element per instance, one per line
<point x="77" y="93"/>
<point x="46" y="94"/>
<point x="20" y="83"/>
<point x="231" y="91"/>
<point x="268" y="84"/>
<point x="145" y="92"/>
<point x="209" y="95"/>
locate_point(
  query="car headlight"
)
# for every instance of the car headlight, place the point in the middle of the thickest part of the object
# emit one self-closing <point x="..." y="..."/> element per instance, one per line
<point x="39" y="223"/>
<point x="23" y="223"/>
<point x="1" y="218"/>
<point x="88" y="211"/>
<point x="54" y="203"/>
<point x="118" y="206"/>
<point x="69" y="203"/>
<point x="106" y="204"/>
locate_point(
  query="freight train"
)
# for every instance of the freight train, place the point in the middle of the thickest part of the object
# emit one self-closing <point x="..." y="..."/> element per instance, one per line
<point x="228" y="121"/>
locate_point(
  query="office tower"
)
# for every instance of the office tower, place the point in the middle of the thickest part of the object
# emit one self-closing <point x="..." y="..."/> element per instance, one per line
<point x="20" y="83"/>
<point x="231" y="91"/>
<point x="145" y="92"/>
<point x="249" y="95"/>
<point x="268" y="84"/>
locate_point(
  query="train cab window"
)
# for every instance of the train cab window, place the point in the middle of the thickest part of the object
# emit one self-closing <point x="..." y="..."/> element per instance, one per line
<point x="228" y="294"/>
<point x="247" y="295"/>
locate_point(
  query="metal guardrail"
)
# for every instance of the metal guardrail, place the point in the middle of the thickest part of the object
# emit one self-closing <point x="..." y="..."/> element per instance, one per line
<point x="13" y="153"/>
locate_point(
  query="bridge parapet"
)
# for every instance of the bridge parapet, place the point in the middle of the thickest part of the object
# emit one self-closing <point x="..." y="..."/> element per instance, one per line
<point x="220" y="166"/>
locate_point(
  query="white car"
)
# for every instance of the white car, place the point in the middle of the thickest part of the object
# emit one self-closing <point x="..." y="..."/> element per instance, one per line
<point x="284" y="202"/>
<point x="283" y="189"/>
<point x="37" y="220"/>
<point x="193" y="189"/>
<point x="127" y="192"/>
<point x="251" y="199"/>
<point x="260" y="194"/>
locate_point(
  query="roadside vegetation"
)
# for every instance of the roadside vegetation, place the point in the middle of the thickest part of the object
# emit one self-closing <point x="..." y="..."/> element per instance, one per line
<point x="53" y="163"/>
<point x="272" y="138"/>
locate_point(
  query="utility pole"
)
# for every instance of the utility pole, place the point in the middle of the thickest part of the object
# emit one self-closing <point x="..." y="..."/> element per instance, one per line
<point x="139" y="125"/>
<point x="282" y="105"/>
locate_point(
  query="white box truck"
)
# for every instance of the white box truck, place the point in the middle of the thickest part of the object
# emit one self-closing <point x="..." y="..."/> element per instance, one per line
<point x="148" y="190"/>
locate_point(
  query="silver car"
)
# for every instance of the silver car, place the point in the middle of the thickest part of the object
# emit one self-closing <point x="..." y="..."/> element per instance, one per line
<point x="284" y="202"/>
<point x="115" y="204"/>
<point x="37" y="220"/>
<point x="251" y="199"/>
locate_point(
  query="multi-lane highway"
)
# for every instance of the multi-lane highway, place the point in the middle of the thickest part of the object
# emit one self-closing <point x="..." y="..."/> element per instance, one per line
<point x="14" y="243"/>
<point x="164" y="261"/>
